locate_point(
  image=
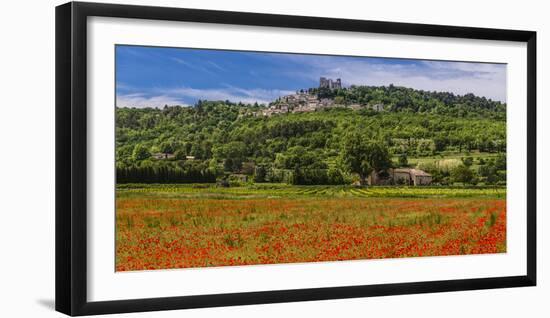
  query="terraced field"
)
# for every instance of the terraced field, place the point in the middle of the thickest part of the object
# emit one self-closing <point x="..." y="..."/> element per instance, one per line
<point x="283" y="190"/>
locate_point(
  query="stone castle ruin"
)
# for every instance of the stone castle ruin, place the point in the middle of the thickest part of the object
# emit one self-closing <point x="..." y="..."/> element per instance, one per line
<point x="329" y="83"/>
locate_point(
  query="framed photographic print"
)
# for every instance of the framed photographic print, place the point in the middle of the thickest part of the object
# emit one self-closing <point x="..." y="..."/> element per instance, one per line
<point x="208" y="158"/>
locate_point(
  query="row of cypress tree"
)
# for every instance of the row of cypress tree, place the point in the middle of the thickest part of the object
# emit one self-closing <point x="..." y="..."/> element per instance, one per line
<point x="163" y="175"/>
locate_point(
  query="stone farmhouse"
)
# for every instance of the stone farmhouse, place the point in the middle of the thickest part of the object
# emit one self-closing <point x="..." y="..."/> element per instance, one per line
<point x="161" y="156"/>
<point x="378" y="107"/>
<point x="401" y="176"/>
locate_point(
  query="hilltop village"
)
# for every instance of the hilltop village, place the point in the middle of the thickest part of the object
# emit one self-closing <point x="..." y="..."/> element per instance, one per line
<point x="309" y="101"/>
<point x="399" y="136"/>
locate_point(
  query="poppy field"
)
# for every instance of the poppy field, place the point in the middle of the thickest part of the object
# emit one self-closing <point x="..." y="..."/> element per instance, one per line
<point x="183" y="226"/>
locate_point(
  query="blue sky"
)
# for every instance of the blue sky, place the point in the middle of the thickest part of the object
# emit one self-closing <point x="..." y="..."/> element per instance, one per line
<point x="156" y="76"/>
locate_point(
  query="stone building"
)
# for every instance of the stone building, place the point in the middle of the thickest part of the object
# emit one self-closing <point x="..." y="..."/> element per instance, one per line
<point x="401" y="176"/>
<point x="377" y="107"/>
<point x="420" y="177"/>
<point x="329" y="83"/>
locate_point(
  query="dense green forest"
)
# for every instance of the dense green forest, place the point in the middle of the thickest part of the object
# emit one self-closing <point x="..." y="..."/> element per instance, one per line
<point x="220" y="140"/>
<point x="403" y="99"/>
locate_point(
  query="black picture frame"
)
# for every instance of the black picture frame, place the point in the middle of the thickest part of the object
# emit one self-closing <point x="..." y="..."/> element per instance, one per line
<point x="71" y="157"/>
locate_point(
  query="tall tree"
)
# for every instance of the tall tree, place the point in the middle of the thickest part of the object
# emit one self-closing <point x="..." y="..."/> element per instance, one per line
<point x="462" y="174"/>
<point x="234" y="153"/>
<point x="363" y="156"/>
<point x="166" y="148"/>
<point x="140" y="153"/>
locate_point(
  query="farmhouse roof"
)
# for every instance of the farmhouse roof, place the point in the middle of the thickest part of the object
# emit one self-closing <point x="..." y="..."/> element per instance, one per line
<point x="420" y="173"/>
<point x="402" y="170"/>
<point x="414" y="172"/>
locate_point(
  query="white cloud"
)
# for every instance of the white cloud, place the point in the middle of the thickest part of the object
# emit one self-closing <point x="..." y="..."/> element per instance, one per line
<point x="186" y="95"/>
<point x="482" y="79"/>
<point x="231" y="93"/>
<point x="141" y="101"/>
<point x="216" y="66"/>
<point x="212" y="68"/>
